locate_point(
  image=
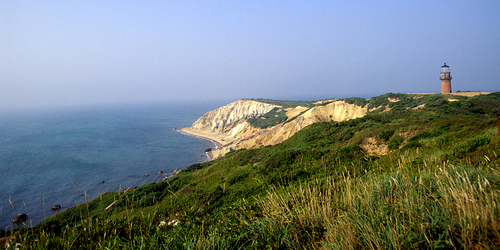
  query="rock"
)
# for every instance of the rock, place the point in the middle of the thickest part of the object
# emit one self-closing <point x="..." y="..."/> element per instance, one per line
<point x="208" y="150"/>
<point x="22" y="217"/>
<point x="128" y="189"/>
<point x="55" y="207"/>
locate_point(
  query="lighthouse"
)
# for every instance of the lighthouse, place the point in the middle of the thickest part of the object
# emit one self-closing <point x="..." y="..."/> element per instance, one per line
<point x="445" y="79"/>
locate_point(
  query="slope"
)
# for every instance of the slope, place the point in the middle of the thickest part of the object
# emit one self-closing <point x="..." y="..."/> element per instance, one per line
<point x="436" y="187"/>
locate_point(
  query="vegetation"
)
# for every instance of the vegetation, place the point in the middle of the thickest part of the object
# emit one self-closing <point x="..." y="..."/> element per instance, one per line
<point x="285" y="103"/>
<point x="271" y="118"/>
<point x="438" y="187"/>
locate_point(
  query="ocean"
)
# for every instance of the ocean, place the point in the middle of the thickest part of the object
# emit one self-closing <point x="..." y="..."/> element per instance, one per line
<point x="67" y="156"/>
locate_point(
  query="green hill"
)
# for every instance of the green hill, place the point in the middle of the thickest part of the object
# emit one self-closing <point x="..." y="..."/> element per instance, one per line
<point x="438" y="186"/>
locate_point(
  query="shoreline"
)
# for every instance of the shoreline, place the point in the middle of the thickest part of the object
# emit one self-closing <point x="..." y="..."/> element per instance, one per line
<point x="203" y="135"/>
<point x="216" y="140"/>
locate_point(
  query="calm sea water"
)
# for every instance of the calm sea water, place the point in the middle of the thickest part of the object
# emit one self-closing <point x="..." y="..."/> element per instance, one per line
<point x="55" y="157"/>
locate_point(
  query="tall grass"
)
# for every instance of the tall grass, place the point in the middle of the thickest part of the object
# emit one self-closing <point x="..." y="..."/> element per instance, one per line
<point x="445" y="207"/>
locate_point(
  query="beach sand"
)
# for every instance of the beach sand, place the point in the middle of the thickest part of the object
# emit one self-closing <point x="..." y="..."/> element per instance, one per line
<point x="218" y="140"/>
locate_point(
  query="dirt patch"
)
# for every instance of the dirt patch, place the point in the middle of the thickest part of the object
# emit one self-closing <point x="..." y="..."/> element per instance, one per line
<point x="470" y="94"/>
<point x="372" y="146"/>
<point x="324" y="101"/>
<point x="419" y="106"/>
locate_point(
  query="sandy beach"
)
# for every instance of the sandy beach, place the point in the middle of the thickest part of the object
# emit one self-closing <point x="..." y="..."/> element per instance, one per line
<point x="218" y="140"/>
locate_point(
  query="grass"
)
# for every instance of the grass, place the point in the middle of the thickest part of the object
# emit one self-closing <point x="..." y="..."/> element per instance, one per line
<point x="442" y="208"/>
<point x="437" y="188"/>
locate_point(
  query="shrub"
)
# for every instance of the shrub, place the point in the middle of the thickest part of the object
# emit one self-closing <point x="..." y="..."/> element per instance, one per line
<point x="357" y="101"/>
<point x="271" y="118"/>
<point x="194" y="167"/>
<point x="395" y="142"/>
<point x="413" y="144"/>
<point x="386" y="135"/>
<point x="207" y="198"/>
<point x="237" y="176"/>
<point x="471" y="145"/>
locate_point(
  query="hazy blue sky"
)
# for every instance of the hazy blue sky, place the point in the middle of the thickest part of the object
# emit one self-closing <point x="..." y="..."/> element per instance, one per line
<point x="55" y="53"/>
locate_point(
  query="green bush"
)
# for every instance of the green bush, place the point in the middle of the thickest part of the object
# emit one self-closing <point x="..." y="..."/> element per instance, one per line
<point x="386" y="134"/>
<point x="282" y="159"/>
<point x="413" y="144"/>
<point x="395" y="142"/>
<point x="271" y="118"/>
<point x="356" y="100"/>
<point x="195" y="167"/>
<point x="237" y="176"/>
<point x="211" y="197"/>
<point x="471" y="145"/>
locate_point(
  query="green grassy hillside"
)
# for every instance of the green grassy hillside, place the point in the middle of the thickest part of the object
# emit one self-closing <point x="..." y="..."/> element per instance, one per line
<point x="437" y="187"/>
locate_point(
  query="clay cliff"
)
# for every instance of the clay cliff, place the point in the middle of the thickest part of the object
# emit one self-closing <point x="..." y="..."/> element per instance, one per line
<point x="229" y="124"/>
<point x="227" y="117"/>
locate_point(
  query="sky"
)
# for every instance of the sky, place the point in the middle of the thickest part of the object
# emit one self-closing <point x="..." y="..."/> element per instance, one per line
<point x="74" y="53"/>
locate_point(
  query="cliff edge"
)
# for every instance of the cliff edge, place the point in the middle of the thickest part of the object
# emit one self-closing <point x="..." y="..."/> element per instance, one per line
<point x="229" y="125"/>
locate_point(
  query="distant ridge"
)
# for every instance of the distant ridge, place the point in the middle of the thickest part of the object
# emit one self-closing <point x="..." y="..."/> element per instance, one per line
<point x="464" y="93"/>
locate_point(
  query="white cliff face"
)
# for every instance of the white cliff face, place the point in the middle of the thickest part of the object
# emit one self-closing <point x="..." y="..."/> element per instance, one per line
<point x="231" y="115"/>
<point x="228" y="124"/>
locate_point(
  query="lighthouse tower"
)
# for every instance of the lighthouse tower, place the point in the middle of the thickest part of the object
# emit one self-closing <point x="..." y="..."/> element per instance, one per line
<point x="445" y="79"/>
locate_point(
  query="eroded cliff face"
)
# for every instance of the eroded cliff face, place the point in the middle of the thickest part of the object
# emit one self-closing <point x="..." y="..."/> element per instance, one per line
<point x="228" y="125"/>
<point x="336" y="111"/>
<point x="231" y="116"/>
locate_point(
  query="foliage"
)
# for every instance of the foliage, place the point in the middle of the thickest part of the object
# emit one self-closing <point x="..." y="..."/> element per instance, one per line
<point x="271" y="118"/>
<point x="395" y="142"/>
<point x="386" y="134"/>
<point x="284" y="103"/>
<point x="356" y="100"/>
<point x="471" y="145"/>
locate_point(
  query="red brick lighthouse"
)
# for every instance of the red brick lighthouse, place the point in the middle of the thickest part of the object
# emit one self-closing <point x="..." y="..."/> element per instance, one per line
<point x="445" y="79"/>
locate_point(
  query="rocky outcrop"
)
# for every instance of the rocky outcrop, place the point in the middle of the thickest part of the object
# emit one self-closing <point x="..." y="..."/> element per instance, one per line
<point x="19" y="218"/>
<point x="228" y="125"/>
<point x="56" y="208"/>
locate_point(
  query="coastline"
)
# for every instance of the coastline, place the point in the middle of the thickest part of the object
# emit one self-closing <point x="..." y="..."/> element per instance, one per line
<point x="215" y="139"/>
